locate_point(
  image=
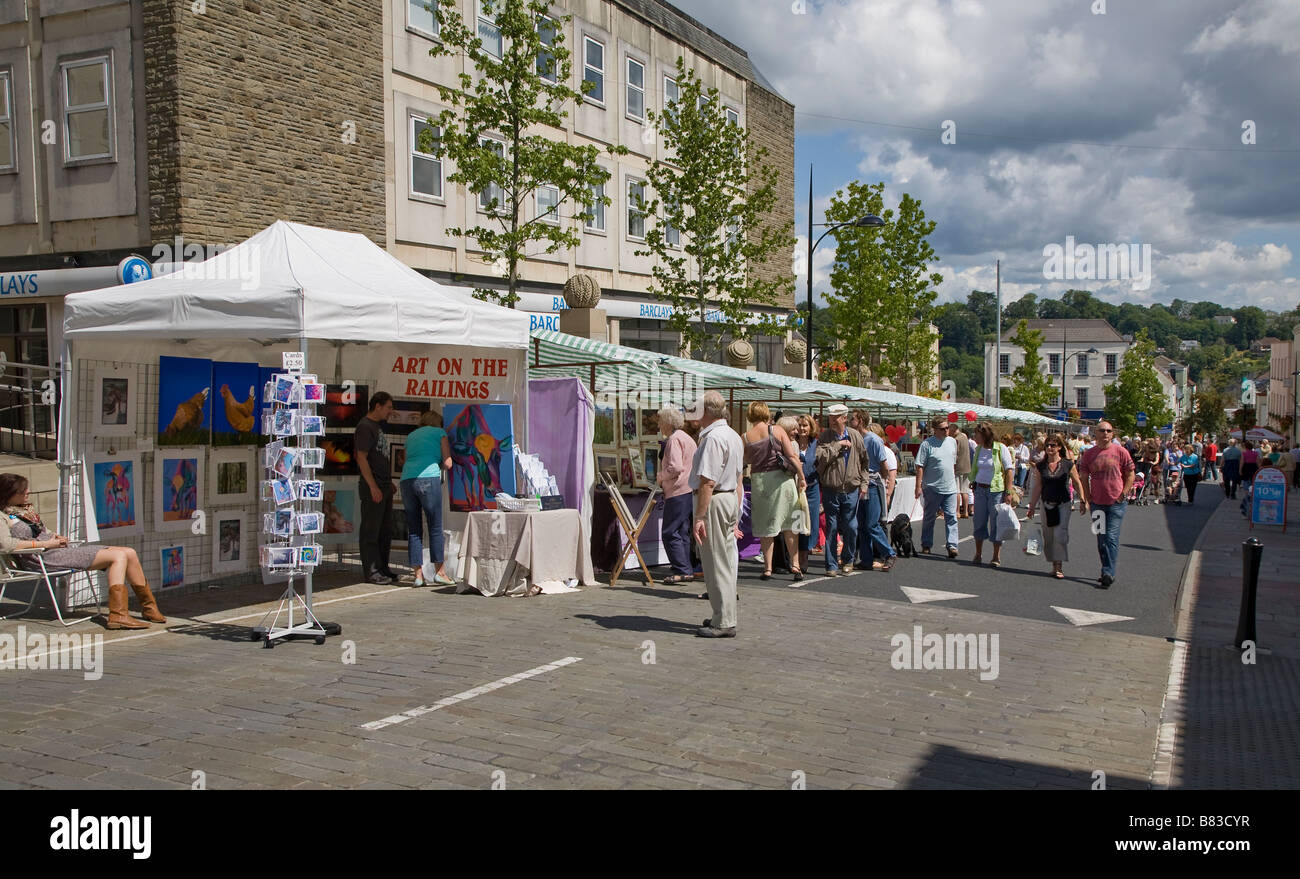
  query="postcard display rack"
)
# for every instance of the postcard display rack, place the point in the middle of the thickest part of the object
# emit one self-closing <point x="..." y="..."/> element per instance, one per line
<point x="291" y="493"/>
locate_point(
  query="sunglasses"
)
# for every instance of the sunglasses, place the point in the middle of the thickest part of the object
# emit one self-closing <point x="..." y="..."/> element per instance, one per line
<point x="1105" y="430"/>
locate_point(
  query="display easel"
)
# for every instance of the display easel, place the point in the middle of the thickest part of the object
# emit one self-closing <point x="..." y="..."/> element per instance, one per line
<point x="632" y="527"/>
<point x="310" y="627"/>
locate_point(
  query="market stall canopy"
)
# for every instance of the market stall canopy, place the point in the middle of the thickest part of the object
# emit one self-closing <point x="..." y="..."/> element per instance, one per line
<point x="1256" y="434"/>
<point x="611" y="368"/>
<point x="290" y="281"/>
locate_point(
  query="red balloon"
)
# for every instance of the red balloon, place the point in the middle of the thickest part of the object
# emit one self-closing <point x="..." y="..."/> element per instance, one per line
<point x="970" y="415"/>
<point x="954" y="416"/>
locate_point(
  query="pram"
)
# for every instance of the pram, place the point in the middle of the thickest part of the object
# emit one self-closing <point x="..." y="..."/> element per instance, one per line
<point x="1174" y="487"/>
<point x="1138" y="494"/>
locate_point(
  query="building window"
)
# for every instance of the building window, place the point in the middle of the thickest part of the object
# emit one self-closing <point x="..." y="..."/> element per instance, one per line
<point x="491" y="198"/>
<point x="1112" y="364"/>
<point x="636" y="90"/>
<point x="672" y="235"/>
<point x="1081" y="365"/>
<point x="672" y="93"/>
<point x="1053" y="364"/>
<point x="488" y="31"/>
<point x="648" y="335"/>
<point x="595" y="209"/>
<point x="1081" y="398"/>
<point x="87" y="109"/>
<point x="420" y="17"/>
<point x="548" y="204"/>
<point x="546" y="30"/>
<point x="7" y="161"/>
<point x="733" y="117"/>
<point x="1004" y="364"/>
<point x="426" y="164"/>
<point x="636" y="209"/>
<point x="593" y="69"/>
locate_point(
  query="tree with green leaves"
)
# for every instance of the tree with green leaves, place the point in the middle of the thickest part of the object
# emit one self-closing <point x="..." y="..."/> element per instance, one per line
<point x="882" y="294"/>
<point x="1208" y="413"/>
<point x="495" y="134"/>
<point x="707" y="224"/>
<point x="1031" y="390"/>
<point x="1137" y="389"/>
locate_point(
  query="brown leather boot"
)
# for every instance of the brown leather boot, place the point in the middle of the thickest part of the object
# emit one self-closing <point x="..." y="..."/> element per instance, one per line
<point x="148" y="604"/>
<point x="118" y="618"/>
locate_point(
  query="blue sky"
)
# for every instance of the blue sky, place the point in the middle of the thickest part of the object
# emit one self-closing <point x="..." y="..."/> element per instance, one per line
<point x="1123" y="127"/>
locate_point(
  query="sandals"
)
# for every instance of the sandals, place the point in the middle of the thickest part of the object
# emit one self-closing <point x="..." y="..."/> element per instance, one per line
<point x="1060" y="575"/>
<point x="797" y="574"/>
<point x="674" y="579"/>
<point x="996" y="563"/>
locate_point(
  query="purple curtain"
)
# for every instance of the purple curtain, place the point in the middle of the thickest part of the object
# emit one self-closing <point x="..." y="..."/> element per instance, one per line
<point x="559" y="432"/>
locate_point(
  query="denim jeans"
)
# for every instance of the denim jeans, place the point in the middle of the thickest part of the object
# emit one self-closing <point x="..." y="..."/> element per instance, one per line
<point x="814" y="495"/>
<point x="675" y="528"/>
<point x="423" y="495"/>
<point x="1108" y="540"/>
<point x="986" y="514"/>
<point x="872" y="541"/>
<point x="840" y="509"/>
<point x="932" y="501"/>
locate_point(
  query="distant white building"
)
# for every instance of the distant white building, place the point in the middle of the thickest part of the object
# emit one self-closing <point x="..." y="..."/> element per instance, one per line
<point x="1083" y="376"/>
<point x="1188" y="344"/>
<point x="1226" y="319"/>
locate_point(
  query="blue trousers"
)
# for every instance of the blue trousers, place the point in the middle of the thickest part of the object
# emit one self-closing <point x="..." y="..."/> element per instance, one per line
<point x="423" y="496"/>
<point x="676" y="532"/>
<point x="932" y="501"/>
<point x="1108" y="540"/>
<point x="986" y="514"/>
<point x="814" y="495"/>
<point x="840" y="512"/>
<point x="872" y="540"/>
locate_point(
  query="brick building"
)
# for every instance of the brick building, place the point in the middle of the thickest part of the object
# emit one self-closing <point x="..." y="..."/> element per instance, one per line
<point x="127" y="127"/>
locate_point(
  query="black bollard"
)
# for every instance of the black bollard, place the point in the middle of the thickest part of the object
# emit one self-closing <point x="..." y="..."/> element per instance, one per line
<point x="1252" y="551"/>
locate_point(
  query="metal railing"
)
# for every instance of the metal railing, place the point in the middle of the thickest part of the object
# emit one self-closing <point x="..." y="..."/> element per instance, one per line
<point x="29" y="409"/>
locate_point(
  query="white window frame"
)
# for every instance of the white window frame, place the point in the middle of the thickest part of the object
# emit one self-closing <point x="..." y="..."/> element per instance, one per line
<point x="414" y="154"/>
<point x="670" y="102"/>
<point x="106" y="62"/>
<point x="499" y="189"/>
<point x="591" y="208"/>
<point x="630" y="89"/>
<point x="434" y="34"/>
<point x="555" y="32"/>
<point x="599" y="71"/>
<point x="1053" y="364"/>
<point x="631" y="182"/>
<point x="1081" y="365"/>
<point x="733" y="117"/>
<point x="1109" y="359"/>
<point x="1004" y="364"/>
<point x="1081" y="398"/>
<point x="7" y="118"/>
<point x="554" y="215"/>
<point x="490" y="21"/>
<point x="672" y="235"/>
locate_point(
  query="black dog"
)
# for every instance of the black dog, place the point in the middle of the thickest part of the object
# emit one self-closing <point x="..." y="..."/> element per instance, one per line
<point x="900" y="535"/>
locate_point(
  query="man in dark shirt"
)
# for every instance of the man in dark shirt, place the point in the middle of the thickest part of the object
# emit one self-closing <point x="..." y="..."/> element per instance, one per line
<point x="376" y="491"/>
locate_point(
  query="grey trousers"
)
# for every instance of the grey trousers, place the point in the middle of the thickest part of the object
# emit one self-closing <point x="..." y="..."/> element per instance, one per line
<point x="1056" y="541"/>
<point x="721" y="558"/>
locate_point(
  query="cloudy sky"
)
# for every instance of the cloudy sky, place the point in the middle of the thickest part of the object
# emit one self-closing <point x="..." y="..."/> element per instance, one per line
<point x="1117" y="128"/>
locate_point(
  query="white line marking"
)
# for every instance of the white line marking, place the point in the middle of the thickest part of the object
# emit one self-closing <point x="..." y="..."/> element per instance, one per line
<point x="922" y="596"/>
<point x="393" y="719"/>
<point x="1088" y="617"/>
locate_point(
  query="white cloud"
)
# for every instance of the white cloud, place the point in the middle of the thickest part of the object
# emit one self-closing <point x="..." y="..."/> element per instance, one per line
<point x="1271" y="24"/>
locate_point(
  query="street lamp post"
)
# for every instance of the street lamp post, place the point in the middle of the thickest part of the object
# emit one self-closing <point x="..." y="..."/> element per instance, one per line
<point x="860" y="222"/>
<point x="1063" y="365"/>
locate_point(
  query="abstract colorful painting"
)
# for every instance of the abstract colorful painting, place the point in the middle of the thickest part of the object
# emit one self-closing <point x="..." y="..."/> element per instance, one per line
<point x="173" y="566"/>
<point x="345" y="406"/>
<point x="179" y="493"/>
<point x="116" y="492"/>
<point x="235" y="409"/>
<point x="481" y="436"/>
<point x="184" y="401"/>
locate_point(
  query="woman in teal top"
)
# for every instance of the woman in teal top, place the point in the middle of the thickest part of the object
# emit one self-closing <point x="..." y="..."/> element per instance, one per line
<point x="1191" y="464"/>
<point x="427" y="455"/>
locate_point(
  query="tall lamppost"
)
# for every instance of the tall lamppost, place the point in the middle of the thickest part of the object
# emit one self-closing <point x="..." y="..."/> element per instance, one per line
<point x="860" y="222"/>
<point x="1063" y="365"/>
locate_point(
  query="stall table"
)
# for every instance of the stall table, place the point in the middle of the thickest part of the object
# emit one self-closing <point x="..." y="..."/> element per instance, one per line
<point x="506" y="553"/>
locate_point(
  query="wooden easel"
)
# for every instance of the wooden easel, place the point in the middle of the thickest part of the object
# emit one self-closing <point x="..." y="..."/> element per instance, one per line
<point x="631" y="528"/>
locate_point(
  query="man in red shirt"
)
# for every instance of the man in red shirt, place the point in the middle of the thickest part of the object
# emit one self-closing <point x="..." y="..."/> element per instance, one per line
<point x="1211" y="458"/>
<point x="1107" y="471"/>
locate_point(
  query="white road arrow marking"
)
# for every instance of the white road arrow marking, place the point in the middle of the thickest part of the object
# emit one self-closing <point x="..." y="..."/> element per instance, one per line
<point x="1088" y="617"/>
<point x="921" y="596"/>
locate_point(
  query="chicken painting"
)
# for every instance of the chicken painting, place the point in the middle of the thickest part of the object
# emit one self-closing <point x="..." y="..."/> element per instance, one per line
<point x="189" y="415"/>
<point x="240" y="415"/>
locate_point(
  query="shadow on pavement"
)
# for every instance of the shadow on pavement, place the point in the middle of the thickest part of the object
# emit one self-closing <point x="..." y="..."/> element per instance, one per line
<point x="949" y="768"/>
<point x="216" y="631"/>
<point x="638" y="624"/>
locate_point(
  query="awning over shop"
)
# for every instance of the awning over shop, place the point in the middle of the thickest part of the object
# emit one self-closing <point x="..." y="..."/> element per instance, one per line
<point x="614" y="368"/>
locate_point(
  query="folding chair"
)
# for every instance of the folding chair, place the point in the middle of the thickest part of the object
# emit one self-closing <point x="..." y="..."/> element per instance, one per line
<point x="12" y="573"/>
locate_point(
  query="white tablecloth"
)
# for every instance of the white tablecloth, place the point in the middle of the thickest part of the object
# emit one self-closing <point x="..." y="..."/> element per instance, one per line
<point x="506" y="552"/>
<point x="903" y="501"/>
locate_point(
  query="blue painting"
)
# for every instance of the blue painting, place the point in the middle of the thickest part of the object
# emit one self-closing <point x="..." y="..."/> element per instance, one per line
<point x="115" y="494"/>
<point x="235" y="407"/>
<point x="481" y="437"/>
<point x="184" y="401"/>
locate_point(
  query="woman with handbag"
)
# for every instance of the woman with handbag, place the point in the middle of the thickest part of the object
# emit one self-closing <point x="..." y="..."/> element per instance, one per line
<point x="1052" y="478"/>
<point x="776" y="481"/>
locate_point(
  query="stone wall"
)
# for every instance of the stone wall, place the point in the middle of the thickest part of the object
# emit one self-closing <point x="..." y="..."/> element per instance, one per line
<point x="771" y="125"/>
<point x="248" y="104"/>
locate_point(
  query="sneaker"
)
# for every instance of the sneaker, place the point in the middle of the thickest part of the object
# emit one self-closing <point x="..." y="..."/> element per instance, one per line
<point x="710" y="632"/>
<point x="379" y="579"/>
<point x="1106" y="581"/>
<point x="834" y="572"/>
<point x="952" y="552"/>
<point x="848" y="569"/>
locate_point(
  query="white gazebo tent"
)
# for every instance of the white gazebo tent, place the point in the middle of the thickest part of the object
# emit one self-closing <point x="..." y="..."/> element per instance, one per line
<point x="357" y="313"/>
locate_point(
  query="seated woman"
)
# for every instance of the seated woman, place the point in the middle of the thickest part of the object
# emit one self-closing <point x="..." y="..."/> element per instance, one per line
<point x="22" y="528"/>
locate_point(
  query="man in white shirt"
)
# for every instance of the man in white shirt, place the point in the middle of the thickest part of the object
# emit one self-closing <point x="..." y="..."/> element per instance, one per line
<point x="716" y="472"/>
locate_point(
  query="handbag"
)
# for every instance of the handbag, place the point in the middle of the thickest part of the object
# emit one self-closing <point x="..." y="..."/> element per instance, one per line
<point x="802" y="515"/>
<point x="1052" y="515"/>
<point x="777" y="449"/>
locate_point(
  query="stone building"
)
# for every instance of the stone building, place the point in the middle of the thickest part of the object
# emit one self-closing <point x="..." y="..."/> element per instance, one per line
<point x="170" y="129"/>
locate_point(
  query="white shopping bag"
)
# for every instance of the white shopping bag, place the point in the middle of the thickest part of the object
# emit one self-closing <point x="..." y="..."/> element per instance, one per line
<point x="1008" y="527"/>
<point x="1033" y="546"/>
